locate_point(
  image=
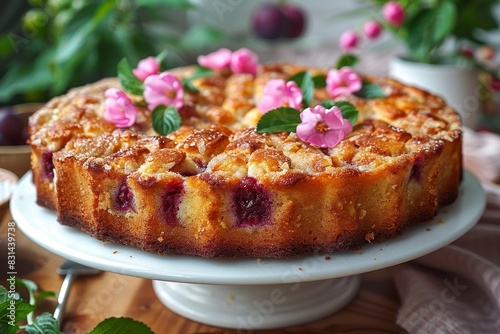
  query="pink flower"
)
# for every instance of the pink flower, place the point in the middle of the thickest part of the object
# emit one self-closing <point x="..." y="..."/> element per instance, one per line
<point x="163" y="89"/>
<point x="348" y="40"/>
<point x="393" y="13"/>
<point x="244" y="61"/>
<point x="372" y="29"/>
<point x="342" y="82"/>
<point x="323" y="127"/>
<point x="216" y="60"/>
<point x="119" y="109"/>
<point x="146" y="67"/>
<point x="277" y="94"/>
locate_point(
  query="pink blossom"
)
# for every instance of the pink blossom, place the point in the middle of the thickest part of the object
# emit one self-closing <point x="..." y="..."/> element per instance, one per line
<point x="146" y="67"/>
<point x="119" y="109"/>
<point x="372" y="29"/>
<point x="277" y="94"/>
<point x="244" y="61"/>
<point x="216" y="60"/>
<point x="348" y="40"/>
<point x="163" y="89"/>
<point x="323" y="127"/>
<point x="342" y="82"/>
<point x="393" y="13"/>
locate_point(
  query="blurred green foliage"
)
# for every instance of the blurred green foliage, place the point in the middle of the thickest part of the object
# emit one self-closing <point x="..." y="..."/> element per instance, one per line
<point x="49" y="46"/>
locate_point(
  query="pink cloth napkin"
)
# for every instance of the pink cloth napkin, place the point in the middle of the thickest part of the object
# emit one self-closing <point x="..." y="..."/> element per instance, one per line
<point x="456" y="289"/>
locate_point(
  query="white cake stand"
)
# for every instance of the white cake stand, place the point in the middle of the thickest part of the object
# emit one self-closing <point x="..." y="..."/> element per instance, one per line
<point x="249" y="294"/>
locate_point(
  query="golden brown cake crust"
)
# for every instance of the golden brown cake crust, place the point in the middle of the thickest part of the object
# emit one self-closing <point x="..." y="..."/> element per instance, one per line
<point x="216" y="187"/>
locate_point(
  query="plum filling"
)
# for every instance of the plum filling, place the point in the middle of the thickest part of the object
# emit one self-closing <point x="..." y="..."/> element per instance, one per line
<point x="251" y="203"/>
<point x="124" y="197"/>
<point x="170" y="202"/>
<point x="48" y="165"/>
<point x="417" y="169"/>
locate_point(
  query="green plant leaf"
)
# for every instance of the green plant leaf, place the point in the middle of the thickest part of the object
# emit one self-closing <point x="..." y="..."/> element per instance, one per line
<point x="279" y="119"/>
<point x="347" y="59"/>
<point x="27" y="284"/>
<point x="319" y="81"/>
<point x="200" y="72"/>
<point x="45" y="295"/>
<point x="45" y="323"/>
<point x="22" y="309"/>
<point x="445" y="16"/>
<point x="165" y="120"/>
<point x="200" y="36"/>
<point x="121" y="326"/>
<point x="189" y="86"/>
<point x="306" y="84"/>
<point x="370" y="91"/>
<point x="419" y="39"/>
<point x="128" y="80"/>
<point x="347" y="109"/>
<point x="175" y="4"/>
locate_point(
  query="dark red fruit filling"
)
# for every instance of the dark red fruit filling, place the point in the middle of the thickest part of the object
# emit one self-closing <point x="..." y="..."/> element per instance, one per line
<point x="170" y="202"/>
<point x="251" y="203"/>
<point x="48" y="165"/>
<point x="124" y="197"/>
<point x="417" y="169"/>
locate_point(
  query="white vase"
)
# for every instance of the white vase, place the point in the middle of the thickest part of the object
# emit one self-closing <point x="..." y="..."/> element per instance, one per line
<point x="457" y="85"/>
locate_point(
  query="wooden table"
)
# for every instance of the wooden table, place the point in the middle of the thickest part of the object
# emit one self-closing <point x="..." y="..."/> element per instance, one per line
<point x="95" y="298"/>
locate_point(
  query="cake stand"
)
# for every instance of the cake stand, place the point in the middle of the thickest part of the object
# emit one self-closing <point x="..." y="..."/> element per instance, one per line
<point x="249" y="294"/>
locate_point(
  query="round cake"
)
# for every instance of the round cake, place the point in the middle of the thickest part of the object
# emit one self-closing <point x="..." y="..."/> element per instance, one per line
<point x="216" y="187"/>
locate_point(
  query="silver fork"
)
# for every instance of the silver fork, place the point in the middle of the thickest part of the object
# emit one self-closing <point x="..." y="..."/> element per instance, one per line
<point x="71" y="270"/>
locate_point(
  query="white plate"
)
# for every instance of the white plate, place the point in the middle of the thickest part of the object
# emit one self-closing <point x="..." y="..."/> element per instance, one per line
<point x="41" y="226"/>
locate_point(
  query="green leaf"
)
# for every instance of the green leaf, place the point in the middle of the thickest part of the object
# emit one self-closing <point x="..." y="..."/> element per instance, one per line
<point x="279" y="119"/>
<point x="128" y="80"/>
<point x="319" y="81"/>
<point x="45" y="323"/>
<point x="121" y="326"/>
<point x="445" y="17"/>
<point x="370" y="91"/>
<point x="347" y="59"/>
<point x="306" y="84"/>
<point x="199" y="36"/>
<point x="27" y="284"/>
<point x="165" y="120"/>
<point x="45" y="295"/>
<point x="175" y="4"/>
<point x="22" y="309"/>
<point x="200" y="72"/>
<point x="189" y="86"/>
<point x="347" y="109"/>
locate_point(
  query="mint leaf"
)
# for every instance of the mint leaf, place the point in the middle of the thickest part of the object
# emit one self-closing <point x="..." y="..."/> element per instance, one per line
<point x="45" y="294"/>
<point x="43" y="324"/>
<point x="128" y="80"/>
<point x="189" y="86"/>
<point x="27" y="284"/>
<point x="20" y="309"/>
<point x="279" y="119"/>
<point x="165" y="120"/>
<point x="347" y="59"/>
<point x="200" y="72"/>
<point x="347" y="109"/>
<point x="306" y="84"/>
<point x="319" y="81"/>
<point x="121" y="326"/>
<point x="370" y="91"/>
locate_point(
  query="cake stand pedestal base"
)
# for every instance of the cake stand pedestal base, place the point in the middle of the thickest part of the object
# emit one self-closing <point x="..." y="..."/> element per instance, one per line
<point x="253" y="307"/>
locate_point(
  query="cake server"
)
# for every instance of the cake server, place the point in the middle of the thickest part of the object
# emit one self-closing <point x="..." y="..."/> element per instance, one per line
<point x="71" y="270"/>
